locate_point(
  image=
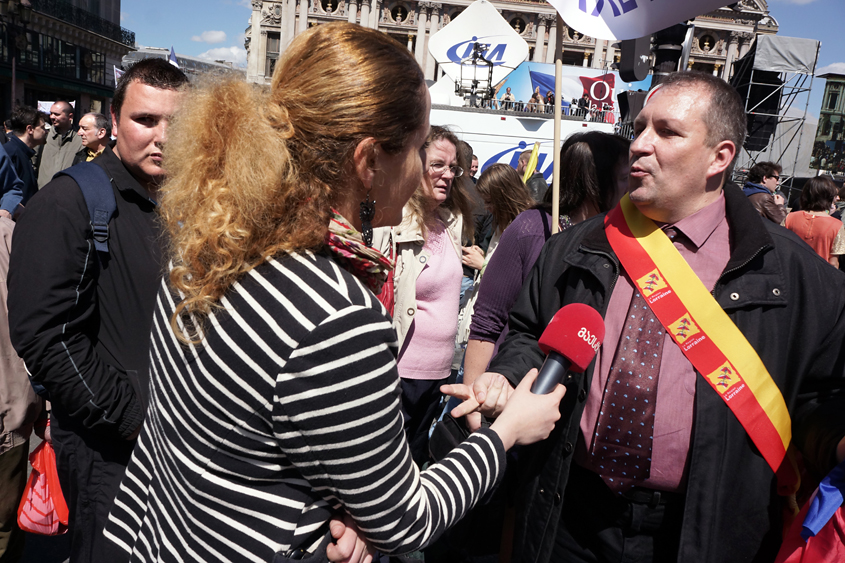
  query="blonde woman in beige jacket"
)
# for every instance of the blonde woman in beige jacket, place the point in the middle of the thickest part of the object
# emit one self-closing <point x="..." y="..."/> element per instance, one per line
<point x="427" y="280"/>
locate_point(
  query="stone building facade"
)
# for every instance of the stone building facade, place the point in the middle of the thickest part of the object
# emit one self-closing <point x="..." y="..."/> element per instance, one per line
<point x="67" y="50"/>
<point x="721" y="37"/>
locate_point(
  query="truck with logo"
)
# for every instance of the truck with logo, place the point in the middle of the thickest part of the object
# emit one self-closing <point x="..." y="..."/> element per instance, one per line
<point x="466" y="98"/>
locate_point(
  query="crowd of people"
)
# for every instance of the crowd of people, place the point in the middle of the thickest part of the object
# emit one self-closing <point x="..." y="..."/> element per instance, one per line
<point x="238" y="342"/>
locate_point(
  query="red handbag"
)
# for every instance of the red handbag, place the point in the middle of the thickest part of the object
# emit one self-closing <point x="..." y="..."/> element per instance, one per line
<point x="43" y="509"/>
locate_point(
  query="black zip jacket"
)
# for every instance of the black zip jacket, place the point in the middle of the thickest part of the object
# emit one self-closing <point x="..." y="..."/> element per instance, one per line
<point x="789" y="304"/>
<point x="81" y="322"/>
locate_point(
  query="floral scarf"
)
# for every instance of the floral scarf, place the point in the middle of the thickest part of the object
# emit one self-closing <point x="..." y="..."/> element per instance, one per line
<point x="364" y="262"/>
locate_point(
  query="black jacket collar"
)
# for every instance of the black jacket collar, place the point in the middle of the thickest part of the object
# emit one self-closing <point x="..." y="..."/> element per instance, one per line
<point x="748" y="235"/>
<point x="122" y="178"/>
<point x="21" y="146"/>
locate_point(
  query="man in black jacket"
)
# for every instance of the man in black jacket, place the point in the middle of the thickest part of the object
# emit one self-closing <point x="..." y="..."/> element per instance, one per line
<point x="28" y="132"/>
<point x="81" y="319"/>
<point x="709" y="496"/>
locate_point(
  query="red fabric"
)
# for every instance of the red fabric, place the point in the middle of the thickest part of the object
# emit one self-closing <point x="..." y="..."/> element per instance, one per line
<point x="43" y="509"/>
<point x="826" y="546"/>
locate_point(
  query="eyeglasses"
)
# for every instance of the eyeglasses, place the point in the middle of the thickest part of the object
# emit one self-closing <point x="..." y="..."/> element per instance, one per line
<point x="442" y="167"/>
<point x="775" y="177"/>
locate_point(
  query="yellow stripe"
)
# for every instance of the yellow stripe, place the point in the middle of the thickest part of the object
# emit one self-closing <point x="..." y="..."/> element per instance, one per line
<point x="710" y="317"/>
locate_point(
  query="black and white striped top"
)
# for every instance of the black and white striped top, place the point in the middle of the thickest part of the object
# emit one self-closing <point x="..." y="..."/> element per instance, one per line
<point x="288" y="411"/>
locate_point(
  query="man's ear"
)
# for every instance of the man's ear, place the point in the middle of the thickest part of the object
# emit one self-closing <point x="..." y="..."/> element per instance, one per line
<point x="101" y="134"/>
<point x="724" y="154"/>
<point x="113" y="121"/>
<point x="364" y="161"/>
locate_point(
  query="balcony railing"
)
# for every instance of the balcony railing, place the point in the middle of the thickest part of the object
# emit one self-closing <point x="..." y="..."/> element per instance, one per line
<point x="69" y="13"/>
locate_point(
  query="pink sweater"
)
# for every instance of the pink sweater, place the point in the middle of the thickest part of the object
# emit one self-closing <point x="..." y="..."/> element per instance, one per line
<point x="430" y="343"/>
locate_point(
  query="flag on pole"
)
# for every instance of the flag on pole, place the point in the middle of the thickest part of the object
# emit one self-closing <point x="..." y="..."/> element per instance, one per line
<point x="532" y="162"/>
<point x="172" y="59"/>
<point x="629" y="19"/>
<point x="118" y="74"/>
<point x="818" y="533"/>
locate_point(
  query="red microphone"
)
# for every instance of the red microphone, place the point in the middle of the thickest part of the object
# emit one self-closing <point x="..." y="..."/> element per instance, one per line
<point x="570" y="342"/>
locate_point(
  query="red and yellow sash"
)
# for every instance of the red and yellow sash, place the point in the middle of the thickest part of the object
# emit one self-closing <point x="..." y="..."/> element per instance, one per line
<point x="706" y="335"/>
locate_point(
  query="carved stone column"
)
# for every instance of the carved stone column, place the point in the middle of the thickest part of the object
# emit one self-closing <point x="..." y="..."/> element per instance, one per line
<point x="745" y="43"/>
<point x="422" y="20"/>
<point x="410" y="41"/>
<point x="586" y="62"/>
<point x="365" y="13"/>
<point x="540" y="43"/>
<point x="598" y="54"/>
<point x="303" y="17"/>
<point x="610" y="56"/>
<point x="352" y="12"/>
<point x="732" y="51"/>
<point x="433" y="27"/>
<point x="289" y="22"/>
<point x="550" y="52"/>
<point x="262" y="55"/>
<point x="716" y="69"/>
<point x="252" y="65"/>
<point x="375" y="13"/>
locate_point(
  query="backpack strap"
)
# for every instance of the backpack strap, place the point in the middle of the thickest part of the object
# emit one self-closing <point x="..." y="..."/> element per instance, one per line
<point x="99" y="197"/>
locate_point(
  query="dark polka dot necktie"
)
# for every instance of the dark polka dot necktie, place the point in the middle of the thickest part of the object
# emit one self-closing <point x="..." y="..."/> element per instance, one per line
<point x="623" y="437"/>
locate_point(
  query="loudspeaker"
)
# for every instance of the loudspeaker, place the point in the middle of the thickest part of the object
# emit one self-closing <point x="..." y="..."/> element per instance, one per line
<point x="634" y="59"/>
<point x="630" y="105"/>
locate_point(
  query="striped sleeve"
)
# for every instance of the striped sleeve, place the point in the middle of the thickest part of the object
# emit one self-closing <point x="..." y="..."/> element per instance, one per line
<point x="336" y="415"/>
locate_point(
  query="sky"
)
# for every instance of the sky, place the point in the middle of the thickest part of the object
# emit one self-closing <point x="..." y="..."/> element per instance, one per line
<point x="214" y="29"/>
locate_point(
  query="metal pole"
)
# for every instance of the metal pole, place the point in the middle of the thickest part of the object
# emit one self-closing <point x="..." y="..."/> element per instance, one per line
<point x="558" y="115"/>
<point x="14" y="77"/>
<point x="801" y="127"/>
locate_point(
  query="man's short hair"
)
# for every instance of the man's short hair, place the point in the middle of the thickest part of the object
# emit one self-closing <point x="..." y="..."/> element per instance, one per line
<point x="725" y="117"/>
<point x="100" y="122"/>
<point x="67" y="109"/>
<point x="466" y="152"/>
<point x="26" y="115"/>
<point x="763" y="170"/>
<point x="157" y="73"/>
<point x="524" y="155"/>
<point x="474" y="157"/>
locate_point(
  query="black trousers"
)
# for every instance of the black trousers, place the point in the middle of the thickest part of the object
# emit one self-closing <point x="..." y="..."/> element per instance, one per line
<point x="600" y="526"/>
<point x="90" y="470"/>
<point x="420" y="402"/>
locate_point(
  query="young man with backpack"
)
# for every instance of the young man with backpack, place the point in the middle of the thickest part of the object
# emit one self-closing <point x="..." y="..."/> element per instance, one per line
<point x="84" y="272"/>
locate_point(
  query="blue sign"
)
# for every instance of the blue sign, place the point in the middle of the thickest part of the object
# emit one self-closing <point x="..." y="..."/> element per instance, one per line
<point x="627" y="6"/>
<point x="514" y="153"/>
<point x="495" y="55"/>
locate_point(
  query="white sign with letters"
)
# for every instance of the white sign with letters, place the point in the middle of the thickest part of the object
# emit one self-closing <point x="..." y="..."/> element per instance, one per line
<point x="630" y="19"/>
<point x="480" y="22"/>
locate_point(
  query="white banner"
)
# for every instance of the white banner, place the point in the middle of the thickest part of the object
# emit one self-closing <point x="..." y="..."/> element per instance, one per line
<point x="629" y="19"/>
<point x="479" y="23"/>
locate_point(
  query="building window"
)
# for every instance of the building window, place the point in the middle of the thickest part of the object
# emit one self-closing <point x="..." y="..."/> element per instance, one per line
<point x="832" y="100"/>
<point x="93" y="67"/>
<point x="518" y="24"/>
<point x="273" y="44"/>
<point x="59" y="57"/>
<point x="28" y="49"/>
<point x="399" y="13"/>
<point x="329" y="6"/>
<point x="706" y="43"/>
